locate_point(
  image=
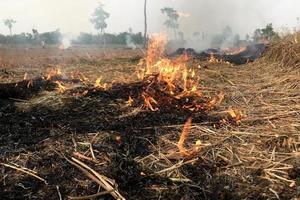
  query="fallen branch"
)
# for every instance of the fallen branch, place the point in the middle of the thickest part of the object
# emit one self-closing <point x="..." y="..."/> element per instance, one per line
<point x="96" y="177"/>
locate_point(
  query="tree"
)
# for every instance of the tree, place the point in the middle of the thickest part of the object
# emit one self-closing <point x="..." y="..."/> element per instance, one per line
<point x="247" y="37"/>
<point x="9" y="23"/>
<point x="98" y="18"/>
<point x="172" y="21"/>
<point x="268" y="32"/>
<point x="145" y="21"/>
<point x="257" y="35"/>
<point x="227" y="33"/>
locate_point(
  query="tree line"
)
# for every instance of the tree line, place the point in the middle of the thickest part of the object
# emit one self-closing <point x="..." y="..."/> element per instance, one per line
<point x="99" y="17"/>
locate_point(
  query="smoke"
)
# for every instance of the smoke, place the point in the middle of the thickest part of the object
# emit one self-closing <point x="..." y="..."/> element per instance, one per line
<point x="66" y="41"/>
<point x="129" y="42"/>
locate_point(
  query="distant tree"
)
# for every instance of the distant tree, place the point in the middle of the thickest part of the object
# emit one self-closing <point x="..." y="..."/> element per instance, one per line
<point x="145" y="23"/>
<point x="227" y="32"/>
<point x="172" y="21"/>
<point x="257" y="35"/>
<point x="247" y="37"/>
<point x="9" y="23"/>
<point x="98" y="18"/>
<point x="268" y="32"/>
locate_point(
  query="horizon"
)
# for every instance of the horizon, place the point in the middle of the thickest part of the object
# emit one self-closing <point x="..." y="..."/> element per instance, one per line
<point x="72" y="17"/>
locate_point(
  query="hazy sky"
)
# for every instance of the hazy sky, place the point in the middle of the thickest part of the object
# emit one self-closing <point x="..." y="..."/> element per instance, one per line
<point x="72" y="16"/>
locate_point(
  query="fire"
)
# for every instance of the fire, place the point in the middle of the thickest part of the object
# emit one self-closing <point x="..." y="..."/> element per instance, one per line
<point x="130" y="101"/>
<point x="216" y="100"/>
<point x="53" y="73"/>
<point x="235" y="115"/>
<point x="173" y="77"/>
<point x="149" y="102"/>
<point x="100" y="85"/>
<point x="60" y="87"/>
<point x="25" y="76"/>
<point x="184" y="134"/>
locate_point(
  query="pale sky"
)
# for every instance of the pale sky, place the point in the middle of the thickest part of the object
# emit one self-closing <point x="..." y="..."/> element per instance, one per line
<point x="72" y="16"/>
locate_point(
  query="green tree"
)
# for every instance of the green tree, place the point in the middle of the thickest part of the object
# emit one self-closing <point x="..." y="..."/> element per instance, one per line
<point x="268" y="32"/>
<point x="99" y="18"/>
<point x="172" y="21"/>
<point x="9" y="23"/>
<point x="257" y="35"/>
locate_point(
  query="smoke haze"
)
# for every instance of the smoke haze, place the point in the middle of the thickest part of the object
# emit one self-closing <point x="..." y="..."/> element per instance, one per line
<point x="209" y="16"/>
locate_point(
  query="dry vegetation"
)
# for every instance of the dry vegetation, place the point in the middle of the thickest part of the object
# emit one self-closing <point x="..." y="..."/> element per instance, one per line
<point x="57" y="145"/>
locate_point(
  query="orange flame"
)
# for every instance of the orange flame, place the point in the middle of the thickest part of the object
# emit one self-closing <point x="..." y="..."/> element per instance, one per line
<point x="60" y="87"/>
<point x="184" y="134"/>
<point x="100" y="85"/>
<point x="179" y="80"/>
<point x="53" y="73"/>
<point x="25" y="76"/>
<point x="235" y="115"/>
<point x="149" y="102"/>
<point x="130" y="101"/>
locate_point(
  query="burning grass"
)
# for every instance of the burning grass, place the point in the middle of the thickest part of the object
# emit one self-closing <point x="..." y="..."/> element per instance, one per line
<point x="169" y="134"/>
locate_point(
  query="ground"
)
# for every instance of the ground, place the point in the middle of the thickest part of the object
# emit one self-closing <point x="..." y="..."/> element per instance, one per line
<point x="44" y="131"/>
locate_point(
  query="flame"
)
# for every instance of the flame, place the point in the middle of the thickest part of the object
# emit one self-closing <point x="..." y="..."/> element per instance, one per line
<point x="184" y="134"/>
<point x="60" y="87"/>
<point x="169" y="79"/>
<point x="100" y="85"/>
<point x="29" y="84"/>
<point x="25" y="76"/>
<point x="130" y="101"/>
<point x="216" y="100"/>
<point x="54" y="73"/>
<point x="149" y="102"/>
<point x="178" y="79"/>
<point x="235" y="115"/>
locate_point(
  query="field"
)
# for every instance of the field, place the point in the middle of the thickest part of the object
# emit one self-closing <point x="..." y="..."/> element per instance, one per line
<point x="85" y="141"/>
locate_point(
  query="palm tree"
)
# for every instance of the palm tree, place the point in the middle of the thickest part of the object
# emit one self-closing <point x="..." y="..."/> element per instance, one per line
<point x="9" y="23"/>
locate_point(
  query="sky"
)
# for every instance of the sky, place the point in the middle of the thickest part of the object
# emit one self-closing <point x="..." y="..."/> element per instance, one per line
<point x="211" y="16"/>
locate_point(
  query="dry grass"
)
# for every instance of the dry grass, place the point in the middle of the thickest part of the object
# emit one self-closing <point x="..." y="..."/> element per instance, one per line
<point x="257" y="159"/>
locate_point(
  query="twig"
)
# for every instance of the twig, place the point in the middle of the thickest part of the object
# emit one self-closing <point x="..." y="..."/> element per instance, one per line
<point x="59" y="194"/>
<point x="25" y="171"/>
<point x="90" y="196"/>
<point x="96" y="177"/>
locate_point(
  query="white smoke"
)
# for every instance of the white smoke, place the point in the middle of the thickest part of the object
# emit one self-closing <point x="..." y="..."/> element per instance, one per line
<point x="66" y="41"/>
<point x="129" y="42"/>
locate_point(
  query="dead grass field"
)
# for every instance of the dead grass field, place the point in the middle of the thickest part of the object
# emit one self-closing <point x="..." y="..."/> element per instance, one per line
<point x="137" y="150"/>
